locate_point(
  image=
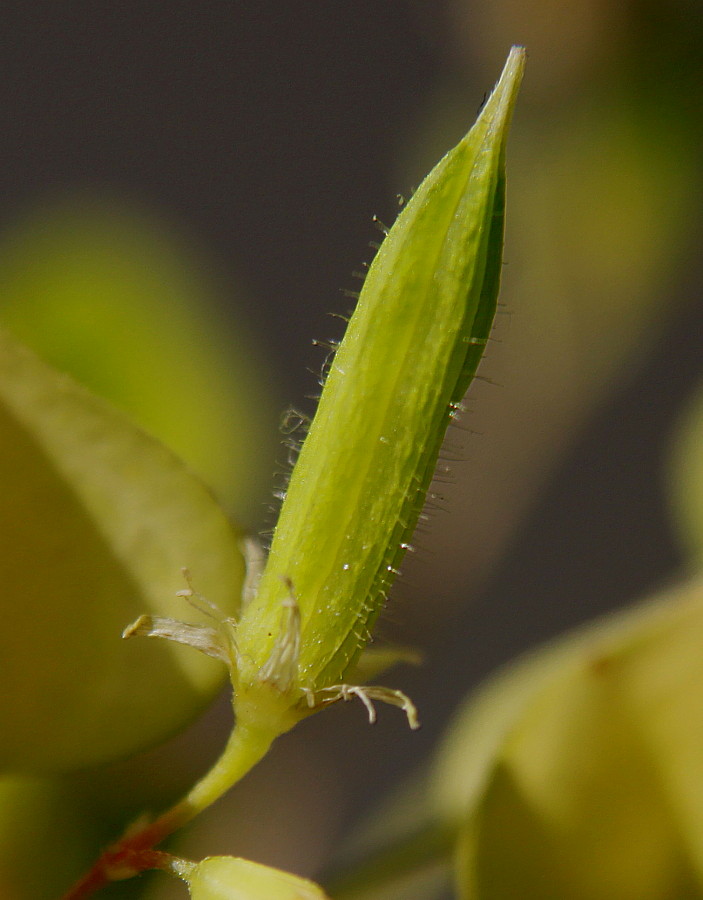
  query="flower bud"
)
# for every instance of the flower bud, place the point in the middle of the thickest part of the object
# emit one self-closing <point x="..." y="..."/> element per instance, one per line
<point x="410" y="351"/>
<point x="229" y="878"/>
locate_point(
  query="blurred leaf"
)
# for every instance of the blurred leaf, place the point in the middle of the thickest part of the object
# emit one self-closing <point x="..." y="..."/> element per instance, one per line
<point x="98" y="520"/>
<point x="116" y="299"/>
<point x="577" y="771"/>
<point x="33" y="814"/>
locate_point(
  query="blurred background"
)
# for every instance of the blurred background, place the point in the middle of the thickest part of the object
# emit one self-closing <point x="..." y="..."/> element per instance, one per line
<point x="186" y="190"/>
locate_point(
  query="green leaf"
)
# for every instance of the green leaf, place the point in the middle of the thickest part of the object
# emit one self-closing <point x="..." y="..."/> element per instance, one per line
<point x="577" y="771"/>
<point x="117" y="299"/>
<point x="33" y="812"/>
<point x="409" y="353"/>
<point x="97" y="521"/>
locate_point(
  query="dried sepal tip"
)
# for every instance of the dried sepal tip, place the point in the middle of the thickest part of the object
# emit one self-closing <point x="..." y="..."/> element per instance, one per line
<point x="367" y="694"/>
<point x="201" y="637"/>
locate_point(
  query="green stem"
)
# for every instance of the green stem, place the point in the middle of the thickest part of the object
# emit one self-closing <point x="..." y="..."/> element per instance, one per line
<point x="246" y="746"/>
<point x="133" y="852"/>
<point x="428" y="846"/>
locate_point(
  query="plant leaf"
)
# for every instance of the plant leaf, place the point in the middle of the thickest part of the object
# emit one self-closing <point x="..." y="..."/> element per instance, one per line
<point x="98" y="520"/>
<point x="577" y="771"/>
<point x="118" y="300"/>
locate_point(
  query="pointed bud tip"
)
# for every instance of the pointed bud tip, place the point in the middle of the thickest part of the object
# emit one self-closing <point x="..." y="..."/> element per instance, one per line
<point x="499" y="106"/>
<point x="515" y="66"/>
<point x="512" y="73"/>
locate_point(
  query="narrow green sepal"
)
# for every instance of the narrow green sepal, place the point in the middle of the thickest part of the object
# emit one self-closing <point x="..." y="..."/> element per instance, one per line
<point x="374" y="661"/>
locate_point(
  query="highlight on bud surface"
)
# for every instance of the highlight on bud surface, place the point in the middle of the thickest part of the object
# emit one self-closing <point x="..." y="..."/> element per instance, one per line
<point x="410" y="351"/>
<point x="229" y="878"/>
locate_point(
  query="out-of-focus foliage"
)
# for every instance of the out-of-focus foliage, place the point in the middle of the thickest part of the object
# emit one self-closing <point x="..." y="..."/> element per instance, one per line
<point x="127" y="307"/>
<point x="34" y="862"/>
<point x="114" y="297"/>
<point x="97" y="520"/>
<point x="576" y="772"/>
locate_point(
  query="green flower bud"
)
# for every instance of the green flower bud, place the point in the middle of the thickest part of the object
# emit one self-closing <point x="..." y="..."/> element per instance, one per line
<point x="410" y="351"/>
<point x="228" y="878"/>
